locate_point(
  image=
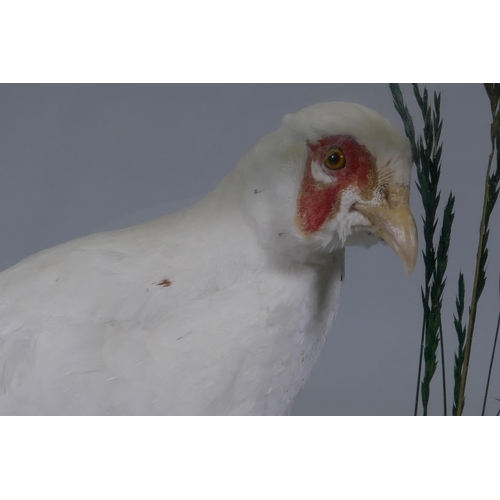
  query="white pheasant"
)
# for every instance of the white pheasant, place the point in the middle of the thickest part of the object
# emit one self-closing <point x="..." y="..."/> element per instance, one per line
<point x="219" y="309"/>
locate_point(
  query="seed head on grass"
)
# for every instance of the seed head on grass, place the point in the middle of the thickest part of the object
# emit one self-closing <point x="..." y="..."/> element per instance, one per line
<point x="461" y="329"/>
<point x="426" y="151"/>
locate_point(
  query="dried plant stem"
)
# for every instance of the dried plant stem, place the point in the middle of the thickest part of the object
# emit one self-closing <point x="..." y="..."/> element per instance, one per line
<point x="491" y="363"/>
<point x="475" y="297"/>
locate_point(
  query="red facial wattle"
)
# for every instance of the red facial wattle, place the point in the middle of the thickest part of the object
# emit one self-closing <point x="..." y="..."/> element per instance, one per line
<point x="318" y="201"/>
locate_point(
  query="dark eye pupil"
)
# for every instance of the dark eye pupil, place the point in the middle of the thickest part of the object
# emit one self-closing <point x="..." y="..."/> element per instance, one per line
<point x="334" y="158"/>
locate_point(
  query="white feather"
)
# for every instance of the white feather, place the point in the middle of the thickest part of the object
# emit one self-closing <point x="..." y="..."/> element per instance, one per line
<point x="221" y="308"/>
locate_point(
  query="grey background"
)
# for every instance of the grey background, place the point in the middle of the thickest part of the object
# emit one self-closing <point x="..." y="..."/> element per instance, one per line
<point x="77" y="159"/>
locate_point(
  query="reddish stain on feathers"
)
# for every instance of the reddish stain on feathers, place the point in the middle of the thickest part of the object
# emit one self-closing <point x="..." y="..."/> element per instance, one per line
<point x="164" y="282"/>
<point x="319" y="202"/>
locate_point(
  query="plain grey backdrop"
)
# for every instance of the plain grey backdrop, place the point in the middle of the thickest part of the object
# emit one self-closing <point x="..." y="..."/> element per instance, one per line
<point x="77" y="159"/>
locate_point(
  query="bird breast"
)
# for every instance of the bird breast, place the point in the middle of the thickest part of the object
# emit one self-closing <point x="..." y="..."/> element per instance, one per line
<point x="133" y="322"/>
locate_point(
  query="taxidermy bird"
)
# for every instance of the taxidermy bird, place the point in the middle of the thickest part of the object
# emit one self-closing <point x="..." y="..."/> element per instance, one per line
<point x="221" y="308"/>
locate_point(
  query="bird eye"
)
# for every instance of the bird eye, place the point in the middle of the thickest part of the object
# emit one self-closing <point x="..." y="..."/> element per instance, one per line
<point x="335" y="159"/>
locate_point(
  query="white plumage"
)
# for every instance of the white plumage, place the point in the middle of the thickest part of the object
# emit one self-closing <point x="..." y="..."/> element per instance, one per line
<point x="221" y="308"/>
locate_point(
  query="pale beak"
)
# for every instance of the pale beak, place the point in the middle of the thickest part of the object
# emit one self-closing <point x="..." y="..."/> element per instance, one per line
<point x="395" y="224"/>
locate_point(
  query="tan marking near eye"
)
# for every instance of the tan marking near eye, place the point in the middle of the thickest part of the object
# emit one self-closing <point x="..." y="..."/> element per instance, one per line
<point x="367" y="191"/>
<point x="397" y="195"/>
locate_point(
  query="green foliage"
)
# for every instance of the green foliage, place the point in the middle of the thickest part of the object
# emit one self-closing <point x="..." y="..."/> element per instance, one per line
<point x="461" y="329"/>
<point x="426" y="151"/>
<point x="401" y="108"/>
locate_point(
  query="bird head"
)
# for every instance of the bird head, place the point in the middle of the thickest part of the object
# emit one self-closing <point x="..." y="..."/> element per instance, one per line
<point x="334" y="174"/>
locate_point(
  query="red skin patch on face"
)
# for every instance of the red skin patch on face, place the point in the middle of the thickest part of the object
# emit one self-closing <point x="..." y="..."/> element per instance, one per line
<point x="319" y="202"/>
